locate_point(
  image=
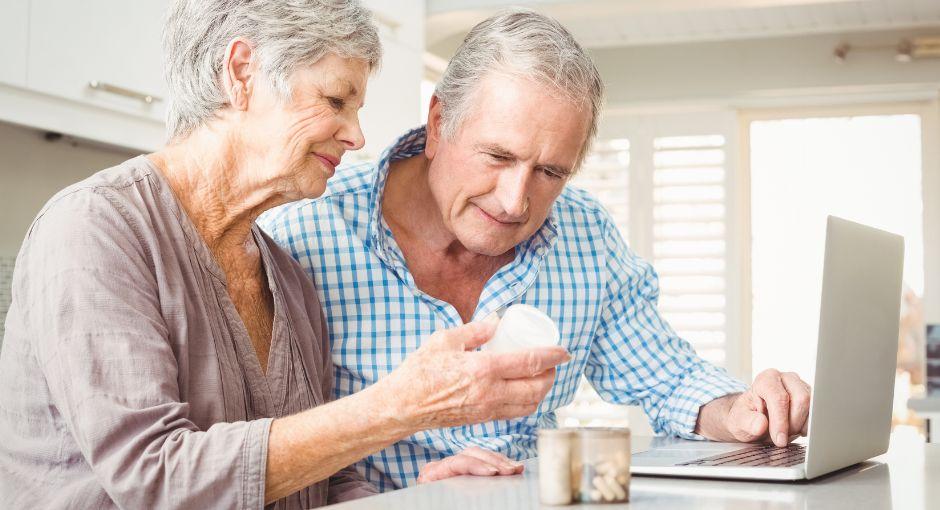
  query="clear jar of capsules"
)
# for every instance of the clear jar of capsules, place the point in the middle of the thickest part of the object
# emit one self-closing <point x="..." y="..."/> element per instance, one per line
<point x="584" y="465"/>
<point x="600" y="465"/>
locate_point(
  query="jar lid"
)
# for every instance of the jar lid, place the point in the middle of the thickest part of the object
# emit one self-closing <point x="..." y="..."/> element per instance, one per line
<point x="561" y="432"/>
<point x="604" y="432"/>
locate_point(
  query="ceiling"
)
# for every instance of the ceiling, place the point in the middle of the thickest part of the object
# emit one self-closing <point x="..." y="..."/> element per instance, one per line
<point x="611" y="23"/>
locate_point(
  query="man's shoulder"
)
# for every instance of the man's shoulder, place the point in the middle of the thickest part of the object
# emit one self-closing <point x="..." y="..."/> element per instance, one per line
<point x="576" y="207"/>
<point x="342" y="192"/>
<point x="354" y="178"/>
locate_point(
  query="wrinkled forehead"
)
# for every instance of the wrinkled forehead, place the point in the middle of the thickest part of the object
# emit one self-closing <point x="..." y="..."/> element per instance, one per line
<point x="527" y="118"/>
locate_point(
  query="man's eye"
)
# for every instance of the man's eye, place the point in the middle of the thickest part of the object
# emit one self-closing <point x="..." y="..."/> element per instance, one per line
<point x="497" y="157"/>
<point x="553" y="175"/>
<point x="336" y="102"/>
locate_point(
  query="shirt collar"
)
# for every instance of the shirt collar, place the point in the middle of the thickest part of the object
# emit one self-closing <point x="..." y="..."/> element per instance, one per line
<point x="408" y="145"/>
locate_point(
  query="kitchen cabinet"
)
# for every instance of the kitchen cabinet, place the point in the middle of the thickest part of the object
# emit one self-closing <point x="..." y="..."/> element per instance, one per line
<point x="14" y="19"/>
<point x="104" y="53"/>
<point x="94" y="70"/>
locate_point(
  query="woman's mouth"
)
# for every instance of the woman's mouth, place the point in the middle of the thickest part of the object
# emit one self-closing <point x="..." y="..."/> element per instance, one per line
<point x="328" y="161"/>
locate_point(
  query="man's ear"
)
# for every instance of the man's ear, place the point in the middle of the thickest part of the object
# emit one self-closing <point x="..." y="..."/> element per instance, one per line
<point x="434" y="128"/>
<point x="238" y="73"/>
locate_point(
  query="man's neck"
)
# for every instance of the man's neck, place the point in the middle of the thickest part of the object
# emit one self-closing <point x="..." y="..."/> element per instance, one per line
<point x="440" y="264"/>
<point x="410" y="209"/>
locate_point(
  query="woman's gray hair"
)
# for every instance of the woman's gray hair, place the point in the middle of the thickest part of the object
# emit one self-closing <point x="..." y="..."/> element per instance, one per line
<point x="523" y="43"/>
<point x="285" y="34"/>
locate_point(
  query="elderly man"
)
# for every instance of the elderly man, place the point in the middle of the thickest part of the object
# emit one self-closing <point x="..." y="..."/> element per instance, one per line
<point x="471" y="214"/>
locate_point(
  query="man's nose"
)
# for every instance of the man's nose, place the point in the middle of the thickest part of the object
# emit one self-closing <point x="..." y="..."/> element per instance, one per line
<point x="513" y="192"/>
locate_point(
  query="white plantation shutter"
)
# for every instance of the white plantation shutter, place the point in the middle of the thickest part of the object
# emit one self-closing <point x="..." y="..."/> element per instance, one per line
<point x="605" y="173"/>
<point x="690" y="239"/>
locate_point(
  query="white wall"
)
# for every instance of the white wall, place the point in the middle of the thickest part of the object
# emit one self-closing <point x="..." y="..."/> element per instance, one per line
<point x="759" y="68"/>
<point x="393" y="99"/>
<point x="33" y="169"/>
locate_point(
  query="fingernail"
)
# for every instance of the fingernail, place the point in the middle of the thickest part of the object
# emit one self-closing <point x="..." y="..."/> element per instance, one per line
<point x="781" y="439"/>
<point x="492" y="470"/>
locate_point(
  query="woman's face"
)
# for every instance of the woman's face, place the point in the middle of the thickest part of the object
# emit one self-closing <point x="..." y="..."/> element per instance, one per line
<point x="297" y="144"/>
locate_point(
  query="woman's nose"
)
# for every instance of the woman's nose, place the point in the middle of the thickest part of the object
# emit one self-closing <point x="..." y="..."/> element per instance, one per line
<point x="351" y="135"/>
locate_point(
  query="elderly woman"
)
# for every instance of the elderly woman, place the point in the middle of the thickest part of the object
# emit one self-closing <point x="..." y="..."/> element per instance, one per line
<point x="161" y="351"/>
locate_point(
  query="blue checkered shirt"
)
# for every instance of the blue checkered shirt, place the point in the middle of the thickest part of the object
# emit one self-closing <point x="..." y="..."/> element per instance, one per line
<point x="576" y="268"/>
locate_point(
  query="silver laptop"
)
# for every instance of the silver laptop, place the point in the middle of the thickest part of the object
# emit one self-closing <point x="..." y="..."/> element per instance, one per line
<point x="850" y="412"/>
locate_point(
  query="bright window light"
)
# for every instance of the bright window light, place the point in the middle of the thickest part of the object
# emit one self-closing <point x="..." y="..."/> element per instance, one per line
<point x="866" y="169"/>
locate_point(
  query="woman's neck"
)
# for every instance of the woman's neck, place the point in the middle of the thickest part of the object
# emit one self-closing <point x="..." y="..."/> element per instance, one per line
<point x="216" y="186"/>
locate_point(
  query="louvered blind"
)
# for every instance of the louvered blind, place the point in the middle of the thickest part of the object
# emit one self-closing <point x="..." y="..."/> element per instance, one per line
<point x="605" y="173"/>
<point x="689" y="239"/>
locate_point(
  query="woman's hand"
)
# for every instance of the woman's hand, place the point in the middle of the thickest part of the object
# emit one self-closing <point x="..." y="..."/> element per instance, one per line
<point x="447" y="382"/>
<point x="472" y="461"/>
<point x="442" y="384"/>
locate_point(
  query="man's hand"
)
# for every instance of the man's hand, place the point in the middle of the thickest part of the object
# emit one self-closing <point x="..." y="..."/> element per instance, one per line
<point x="775" y="407"/>
<point x="472" y="461"/>
<point x="447" y="382"/>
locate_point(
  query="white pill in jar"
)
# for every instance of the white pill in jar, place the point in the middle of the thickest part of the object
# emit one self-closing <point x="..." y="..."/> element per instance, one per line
<point x="523" y="327"/>
<point x="601" y="465"/>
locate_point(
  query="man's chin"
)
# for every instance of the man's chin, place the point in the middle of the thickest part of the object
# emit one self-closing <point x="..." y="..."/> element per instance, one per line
<point x="484" y="245"/>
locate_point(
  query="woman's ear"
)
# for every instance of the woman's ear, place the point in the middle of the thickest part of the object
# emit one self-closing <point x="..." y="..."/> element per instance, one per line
<point x="433" y="128"/>
<point x="237" y="73"/>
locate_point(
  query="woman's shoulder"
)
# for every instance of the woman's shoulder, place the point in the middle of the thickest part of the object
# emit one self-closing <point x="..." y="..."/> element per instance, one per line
<point x="107" y="201"/>
<point x="121" y="176"/>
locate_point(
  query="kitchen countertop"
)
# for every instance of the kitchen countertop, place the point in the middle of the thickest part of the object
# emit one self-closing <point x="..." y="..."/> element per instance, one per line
<point x="905" y="478"/>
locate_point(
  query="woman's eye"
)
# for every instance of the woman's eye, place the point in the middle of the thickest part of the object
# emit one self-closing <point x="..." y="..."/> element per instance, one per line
<point x="336" y="102"/>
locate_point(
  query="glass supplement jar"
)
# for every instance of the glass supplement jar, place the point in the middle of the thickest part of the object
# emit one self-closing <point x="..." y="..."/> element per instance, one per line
<point x="600" y="465"/>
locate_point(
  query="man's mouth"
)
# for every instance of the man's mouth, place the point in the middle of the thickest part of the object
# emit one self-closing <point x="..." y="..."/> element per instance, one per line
<point x="507" y="222"/>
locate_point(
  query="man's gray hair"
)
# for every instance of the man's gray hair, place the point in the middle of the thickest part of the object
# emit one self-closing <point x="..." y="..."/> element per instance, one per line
<point x="523" y="43"/>
<point x="285" y="34"/>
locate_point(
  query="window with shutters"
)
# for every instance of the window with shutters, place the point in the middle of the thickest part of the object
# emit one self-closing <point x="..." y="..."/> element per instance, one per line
<point x="689" y="244"/>
<point x="605" y="174"/>
<point x="666" y="182"/>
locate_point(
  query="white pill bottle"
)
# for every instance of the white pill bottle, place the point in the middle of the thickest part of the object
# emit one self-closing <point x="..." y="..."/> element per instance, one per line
<point x="523" y="327"/>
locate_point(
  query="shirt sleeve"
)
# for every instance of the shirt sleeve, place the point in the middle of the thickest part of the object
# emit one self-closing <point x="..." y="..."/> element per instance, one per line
<point x="636" y="357"/>
<point x="98" y="333"/>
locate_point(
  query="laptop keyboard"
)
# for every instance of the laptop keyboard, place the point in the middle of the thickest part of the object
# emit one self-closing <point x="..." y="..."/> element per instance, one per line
<point x="764" y="456"/>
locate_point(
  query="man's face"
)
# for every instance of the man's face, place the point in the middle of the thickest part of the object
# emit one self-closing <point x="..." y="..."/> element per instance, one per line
<point x="494" y="181"/>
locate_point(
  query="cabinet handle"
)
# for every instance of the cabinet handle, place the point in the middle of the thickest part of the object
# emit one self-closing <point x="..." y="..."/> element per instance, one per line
<point x="121" y="91"/>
